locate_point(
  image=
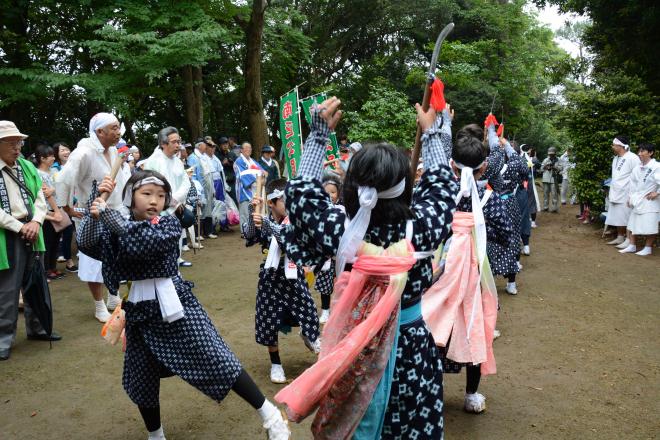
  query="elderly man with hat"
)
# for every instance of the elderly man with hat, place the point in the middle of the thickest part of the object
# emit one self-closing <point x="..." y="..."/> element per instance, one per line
<point x="22" y="214"/>
<point x="227" y="158"/>
<point x="552" y="169"/>
<point x="269" y="164"/>
<point x="90" y="162"/>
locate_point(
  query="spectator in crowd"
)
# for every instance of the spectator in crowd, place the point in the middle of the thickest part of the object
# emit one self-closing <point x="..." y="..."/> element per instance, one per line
<point x="21" y="217"/>
<point x="246" y="171"/>
<point x="43" y="158"/>
<point x="165" y="161"/>
<point x="227" y="159"/>
<point x="644" y="201"/>
<point x="269" y="164"/>
<point x="62" y="152"/>
<point x="552" y="172"/>
<point x="623" y="163"/>
<point x="566" y="187"/>
<point x="91" y="161"/>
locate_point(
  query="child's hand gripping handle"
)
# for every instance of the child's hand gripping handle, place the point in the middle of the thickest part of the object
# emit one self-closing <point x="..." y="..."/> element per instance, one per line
<point x="116" y="166"/>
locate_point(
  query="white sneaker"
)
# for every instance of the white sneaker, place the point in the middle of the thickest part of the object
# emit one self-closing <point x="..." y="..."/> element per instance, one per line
<point x="277" y="374"/>
<point x="200" y="238"/>
<point x="648" y="250"/>
<point x="526" y="250"/>
<point x="312" y="346"/>
<point x="325" y="315"/>
<point x="61" y="259"/>
<point x="102" y="315"/>
<point x="212" y="236"/>
<point x="511" y="288"/>
<point x="474" y="403"/>
<point x="185" y="248"/>
<point x="198" y="245"/>
<point x="630" y="249"/>
<point x="113" y="302"/>
<point x="623" y="245"/>
<point x="618" y="240"/>
<point x="496" y="334"/>
<point x="277" y="427"/>
<point x="520" y="266"/>
<point x="533" y="224"/>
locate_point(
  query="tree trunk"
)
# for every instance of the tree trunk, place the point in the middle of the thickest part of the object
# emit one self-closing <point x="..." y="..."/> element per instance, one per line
<point x="193" y="100"/>
<point x="253" y="103"/>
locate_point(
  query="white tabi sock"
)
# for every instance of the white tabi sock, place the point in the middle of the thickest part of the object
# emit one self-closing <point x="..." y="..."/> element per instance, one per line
<point x="157" y="434"/>
<point x="267" y="410"/>
<point x="100" y="306"/>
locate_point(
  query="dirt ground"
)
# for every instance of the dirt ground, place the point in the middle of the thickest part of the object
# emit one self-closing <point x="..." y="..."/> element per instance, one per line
<point x="578" y="358"/>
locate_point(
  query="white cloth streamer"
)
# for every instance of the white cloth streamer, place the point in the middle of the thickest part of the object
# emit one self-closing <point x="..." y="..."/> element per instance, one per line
<point x="273" y="258"/>
<point x="357" y="227"/>
<point x="171" y="308"/>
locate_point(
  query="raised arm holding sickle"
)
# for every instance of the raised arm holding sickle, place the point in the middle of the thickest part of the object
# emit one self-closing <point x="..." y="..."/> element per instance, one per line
<point x="105" y="189"/>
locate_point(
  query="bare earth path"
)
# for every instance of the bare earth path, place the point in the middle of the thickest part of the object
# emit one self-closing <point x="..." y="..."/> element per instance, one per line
<point x="578" y="358"/>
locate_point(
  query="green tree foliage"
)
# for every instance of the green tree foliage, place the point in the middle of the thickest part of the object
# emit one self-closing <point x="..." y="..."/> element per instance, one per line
<point x="384" y="117"/>
<point x="63" y="61"/>
<point x="594" y="115"/>
<point x="624" y="35"/>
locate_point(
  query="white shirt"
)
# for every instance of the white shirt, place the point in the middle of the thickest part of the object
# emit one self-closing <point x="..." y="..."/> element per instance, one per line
<point x="645" y="179"/>
<point x="85" y="165"/>
<point x="172" y="169"/>
<point x="18" y="208"/>
<point x="622" y="167"/>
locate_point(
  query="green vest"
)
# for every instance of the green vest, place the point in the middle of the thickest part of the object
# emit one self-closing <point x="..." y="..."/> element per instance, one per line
<point x="33" y="182"/>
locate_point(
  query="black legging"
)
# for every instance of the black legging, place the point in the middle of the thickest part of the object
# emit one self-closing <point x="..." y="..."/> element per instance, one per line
<point x="533" y="216"/>
<point x="244" y="387"/>
<point x="472" y="378"/>
<point x="325" y="302"/>
<point x="51" y="241"/>
<point x="525" y="239"/>
<point x="511" y="277"/>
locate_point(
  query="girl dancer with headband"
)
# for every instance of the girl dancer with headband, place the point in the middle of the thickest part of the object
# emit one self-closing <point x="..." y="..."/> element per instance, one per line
<point x="167" y="330"/>
<point x="283" y="298"/>
<point x="380" y="373"/>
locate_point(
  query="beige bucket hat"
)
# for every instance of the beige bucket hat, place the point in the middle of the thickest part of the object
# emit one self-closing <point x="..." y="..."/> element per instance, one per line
<point x="8" y="129"/>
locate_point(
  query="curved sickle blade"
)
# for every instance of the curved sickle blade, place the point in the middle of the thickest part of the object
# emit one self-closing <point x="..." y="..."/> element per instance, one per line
<point x="438" y="46"/>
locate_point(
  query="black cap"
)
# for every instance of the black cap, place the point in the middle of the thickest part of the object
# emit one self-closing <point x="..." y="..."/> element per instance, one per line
<point x="223" y="140"/>
<point x="267" y="149"/>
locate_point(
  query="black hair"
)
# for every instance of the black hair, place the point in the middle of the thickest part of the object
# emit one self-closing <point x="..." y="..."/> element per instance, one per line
<point x="343" y="137"/>
<point x="469" y="151"/>
<point x="332" y="180"/>
<point x="622" y="138"/>
<point x="647" y="147"/>
<point x="56" y="148"/>
<point x="143" y="174"/>
<point x="42" y="151"/>
<point x="274" y="185"/>
<point x="380" y="166"/>
<point x="475" y="131"/>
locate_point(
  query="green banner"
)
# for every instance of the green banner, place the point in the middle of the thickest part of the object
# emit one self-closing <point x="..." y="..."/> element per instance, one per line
<point x="290" y="131"/>
<point x="332" y="149"/>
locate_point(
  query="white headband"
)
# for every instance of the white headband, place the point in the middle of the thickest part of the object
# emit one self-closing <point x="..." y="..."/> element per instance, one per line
<point x="354" y="231"/>
<point x="275" y="194"/>
<point x="100" y="120"/>
<point x="128" y="194"/>
<point x="621" y="144"/>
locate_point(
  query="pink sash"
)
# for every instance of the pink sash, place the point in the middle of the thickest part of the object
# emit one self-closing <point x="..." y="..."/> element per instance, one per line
<point x="364" y="315"/>
<point x="463" y="303"/>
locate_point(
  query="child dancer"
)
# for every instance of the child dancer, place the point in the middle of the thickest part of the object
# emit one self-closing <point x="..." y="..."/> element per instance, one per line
<point x="463" y="303"/>
<point x="325" y="279"/>
<point x="167" y="330"/>
<point x="380" y="373"/>
<point x="505" y="181"/>
<point x="283" y="298"/>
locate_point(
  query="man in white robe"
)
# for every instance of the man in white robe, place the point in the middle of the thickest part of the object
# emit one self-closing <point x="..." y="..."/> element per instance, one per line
<point x="91" y="161"/>
<point x="644" y="202"/>
<point x="622" y="165"/>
